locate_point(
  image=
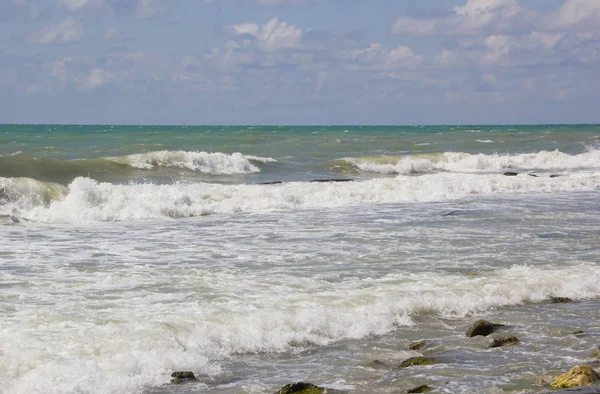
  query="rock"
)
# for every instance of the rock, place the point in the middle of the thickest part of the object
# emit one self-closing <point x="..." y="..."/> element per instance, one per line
<point x="596" y="353"/>
<point x="417" y="345"/>
<point x="510" y="173"/>
<point x="416" y="361"/>
<point x="577" y="332"/>
<point x="560" y="300"/>
<point x="482" y="327"/>
<point x="533" y="175"/>
<point x="333" y="180"/>
<point x="301" y="388"/>
<point x="182" y="376"/>
<point x="377" y="364"/>
<point x="580" y="375"/>
<point x="504" y="341"/>
<point x="555" y="176"/>
<point x="419" y="389"/>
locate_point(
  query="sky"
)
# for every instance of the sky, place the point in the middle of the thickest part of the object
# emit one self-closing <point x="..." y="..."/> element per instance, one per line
<point x="393" y="62"/>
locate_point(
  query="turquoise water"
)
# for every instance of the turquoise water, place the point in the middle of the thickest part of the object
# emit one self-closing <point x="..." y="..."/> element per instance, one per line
<point x="129" y="252"/>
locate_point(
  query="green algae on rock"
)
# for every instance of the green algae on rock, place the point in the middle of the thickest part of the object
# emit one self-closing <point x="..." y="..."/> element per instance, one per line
<point x="178" y="377"/>
<point x="560" y="300"/>
<point x="504" y="341"/>
<point x="416" y="361"/>
<point x="301" y="388"/>
<point x="417" y="345"/>
<point x="580" y="375"/>
<point x="482" y="327"/>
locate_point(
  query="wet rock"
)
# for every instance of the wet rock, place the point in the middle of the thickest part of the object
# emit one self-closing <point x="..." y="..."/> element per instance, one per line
<point x="560" y="300"/>
<point x="301" y="388"/>
<point x="533" y="175"/>
<point x="377" y="364"/>
<point x="596" y="353"/>
<point x="333" y="180"/>
<point x="416" y="361"/>
<point x="580" y="375"/>
<point x="417" y="345"/>
<point x="178" y="377"/>
<point x="510" y="173"/>
<point x="419" y="389"/>
<point x="577" y="332"/>
<point x="504" y="341"/>
<point x="482" y="327"/>
<point x="555" y="176"/>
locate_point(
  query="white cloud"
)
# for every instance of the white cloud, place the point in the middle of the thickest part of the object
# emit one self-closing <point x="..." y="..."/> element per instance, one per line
<point x="59" y="69"/>
<point x="148" y="8"/>
<point x="578" y="14"/>
<point x="96" y="78"/>
<point x="474" y="17"/>
<point x="68" y="30"/>
<point x="377" y="57"/>
<point x="73" y="5"/>
<point x="273" y="35"/>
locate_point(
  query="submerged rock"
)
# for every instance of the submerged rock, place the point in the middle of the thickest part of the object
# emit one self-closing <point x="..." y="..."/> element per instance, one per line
<point x="578" y="332"/>
<point x="596" y="353"/>
<point x="482" y="327"/>
<point x="377" y="364"/>
<point x="580" y="375"/>
<point x="510" y="173"/>
<point x="419" y="389"/>
<point x="417" y="345"/>
<point x="178" y="377"/>
<point x="416" y="361"/>
<point x="504" y="341"/>
<point x="301" y="388"/>
<point x="560" y="300"/>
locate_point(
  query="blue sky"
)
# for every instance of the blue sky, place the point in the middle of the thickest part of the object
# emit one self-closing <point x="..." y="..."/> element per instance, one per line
<point x="300" y="61"/>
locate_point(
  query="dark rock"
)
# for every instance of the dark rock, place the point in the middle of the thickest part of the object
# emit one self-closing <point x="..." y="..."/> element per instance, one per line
<point x="482" y="327"/>
<point x="419" y="389"/>
<point x="377" y="364"/>
<point x="510" y="173"/>
<point x="272" y="183"/>
<point x="533" y="175"/>
<point x="504" y="341"/>
<point x="596" y="353"/>
<point x="182" y="376"/>
<point x="416" y="361"/>
<point x="333" y="180"/>
<point x="560" y="300"/>
<point x="301" y="388"/>
<point x="577" y="332"/>
<point x="417" y="345"/>
<point x="555" y="176"/>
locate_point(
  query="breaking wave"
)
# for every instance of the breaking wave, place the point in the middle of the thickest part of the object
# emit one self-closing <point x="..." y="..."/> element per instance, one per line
<point x="467" y="162"/>
<point x="87" y="200"/>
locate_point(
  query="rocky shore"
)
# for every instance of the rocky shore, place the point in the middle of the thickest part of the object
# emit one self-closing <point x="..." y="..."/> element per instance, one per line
<point x="582" y="377"/>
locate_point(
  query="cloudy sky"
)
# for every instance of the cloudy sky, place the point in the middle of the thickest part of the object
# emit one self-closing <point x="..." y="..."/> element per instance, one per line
<point x="300" y="61"/>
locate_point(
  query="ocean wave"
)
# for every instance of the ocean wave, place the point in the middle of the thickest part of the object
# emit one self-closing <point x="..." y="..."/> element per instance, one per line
<point x="467" y="162"/>
<point x="203" y="162"/>
<point x="87" y="200"/>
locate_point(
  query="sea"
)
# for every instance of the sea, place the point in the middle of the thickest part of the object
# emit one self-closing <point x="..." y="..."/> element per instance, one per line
<point x="258" y="256"/>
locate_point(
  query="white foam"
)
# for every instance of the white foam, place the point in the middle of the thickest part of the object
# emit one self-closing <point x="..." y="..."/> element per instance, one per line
<point x="64" y="349"/>
<point x="91" y="201"/>
<point x="466" y="162"/>
<point x="204" y="162"/>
